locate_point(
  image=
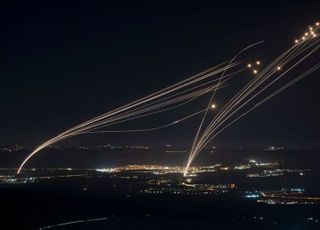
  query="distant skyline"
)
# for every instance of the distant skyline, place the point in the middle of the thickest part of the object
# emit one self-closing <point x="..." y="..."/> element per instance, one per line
<point x="64" y="64"/>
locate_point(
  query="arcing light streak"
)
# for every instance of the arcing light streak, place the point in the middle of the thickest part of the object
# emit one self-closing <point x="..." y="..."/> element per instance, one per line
<point x="305" y="74"/>
<point x="210" y="80"/>
<point x="128" y="116"/>
<point x="74" y="222"/>
<point x="263" y="101"/>
<point x="146" y="106"/>
<point x="150" y="129"/>
<point x="251" y="91"/>
<point x="214" y="92"/>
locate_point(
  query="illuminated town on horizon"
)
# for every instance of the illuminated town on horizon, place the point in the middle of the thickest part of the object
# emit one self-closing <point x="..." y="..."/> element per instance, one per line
<point x="160" y="115"/>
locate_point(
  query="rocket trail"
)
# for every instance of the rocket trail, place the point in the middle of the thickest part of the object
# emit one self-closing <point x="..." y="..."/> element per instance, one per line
<point x="267" y="82"/>
<point x="150" y="129"/>
<point x="215" y="91"/>
<point x="263" y="81"/>
<point x="166" y="99"/>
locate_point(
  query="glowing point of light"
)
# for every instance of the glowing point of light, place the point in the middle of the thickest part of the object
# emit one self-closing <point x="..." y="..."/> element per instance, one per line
<point x="296" y="41"/>
<point x="258" y="62"/>
<point x="306" y="34"/>
<point x="317" y="23"/>
<point x="279" y="68"/>
<point x="252" y="196"/>
<point x="249" y="65"/>
<point x="255" y="71"/>
<point x="303" y="38"/>
<point x="213" y="106"/>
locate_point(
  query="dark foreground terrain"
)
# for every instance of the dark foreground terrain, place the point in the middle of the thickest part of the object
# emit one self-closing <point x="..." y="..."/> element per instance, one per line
<point x="143" y="198"/>
<point x="32" y="210"/>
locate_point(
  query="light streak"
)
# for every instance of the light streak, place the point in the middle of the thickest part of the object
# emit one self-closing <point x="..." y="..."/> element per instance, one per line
<point x="206" y="82"/>
<point x="250" y="92"/>
<point x="214" y="93"/>
<point x="74" y="222"/>
<point x="181" y="92"/>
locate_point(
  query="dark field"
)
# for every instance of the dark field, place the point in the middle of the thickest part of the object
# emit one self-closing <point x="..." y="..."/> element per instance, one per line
<point x="30" y="210"/>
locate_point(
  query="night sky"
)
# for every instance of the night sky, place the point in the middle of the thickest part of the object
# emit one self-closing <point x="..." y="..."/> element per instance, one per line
<point x="64" y="63"/>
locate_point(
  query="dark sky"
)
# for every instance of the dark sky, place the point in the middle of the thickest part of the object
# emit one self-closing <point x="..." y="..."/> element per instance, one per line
<point x="63" y="63"/>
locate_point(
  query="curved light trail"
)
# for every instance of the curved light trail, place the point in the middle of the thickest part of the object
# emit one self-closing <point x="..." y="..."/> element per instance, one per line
<point x="263" y="81"/>
<point x="266" y="83"/>
<point x="181" y="92"/>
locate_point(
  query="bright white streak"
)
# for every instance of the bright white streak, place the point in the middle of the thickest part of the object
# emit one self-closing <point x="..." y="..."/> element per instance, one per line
<point x="204" y="139"/>
<point x="98" y="121"/>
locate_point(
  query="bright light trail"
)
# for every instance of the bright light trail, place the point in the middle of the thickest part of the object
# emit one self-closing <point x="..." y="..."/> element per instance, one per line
<point x="267" y="83"/>
<point x="176" y="95"/>
<point x="266" y="78"/>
